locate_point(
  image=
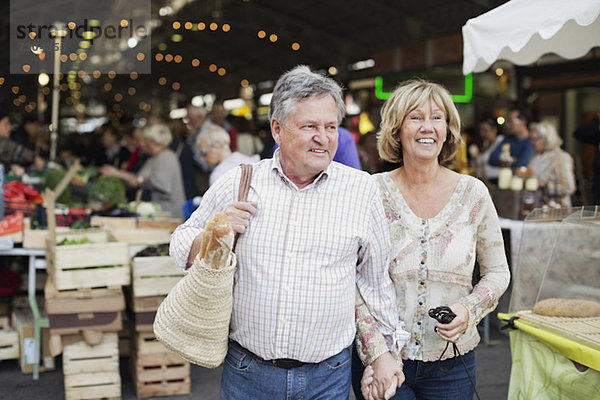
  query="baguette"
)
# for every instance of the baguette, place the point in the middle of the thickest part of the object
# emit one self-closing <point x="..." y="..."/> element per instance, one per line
<point x="217" y="241"/>
<point x="567" y="308"/>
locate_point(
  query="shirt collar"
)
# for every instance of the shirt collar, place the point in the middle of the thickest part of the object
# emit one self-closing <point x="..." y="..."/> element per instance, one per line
<point x="316" y="183"/>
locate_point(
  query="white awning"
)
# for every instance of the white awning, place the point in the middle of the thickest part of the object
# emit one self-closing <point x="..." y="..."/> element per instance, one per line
<point x="520" y="31"/>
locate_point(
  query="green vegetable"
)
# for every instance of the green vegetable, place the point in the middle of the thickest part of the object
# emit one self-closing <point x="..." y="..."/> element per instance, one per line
<point x="108" y="189"/>
<point x="53" y="177"/>
<point x="67" y="242"/>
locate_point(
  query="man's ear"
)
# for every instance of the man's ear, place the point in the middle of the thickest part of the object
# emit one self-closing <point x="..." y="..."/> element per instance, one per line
<point x="276" y="129"/>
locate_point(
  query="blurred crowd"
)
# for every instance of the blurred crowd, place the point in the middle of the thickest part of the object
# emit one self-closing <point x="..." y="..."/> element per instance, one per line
<point x="173" y="161"/>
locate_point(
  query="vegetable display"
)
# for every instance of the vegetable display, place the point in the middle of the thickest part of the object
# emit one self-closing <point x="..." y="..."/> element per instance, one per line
<point x="108" y="189"/>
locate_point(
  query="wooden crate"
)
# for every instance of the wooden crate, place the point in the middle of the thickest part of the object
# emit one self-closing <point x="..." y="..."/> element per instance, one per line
<point x="161" y="374"/>
<point x="79" y="357"/>
<point x="100" y="264"/>
<point x="113" y="223"/>
<point x="167" y="223"/>
<point x="9" y="344"/>
<point x="92" y="372"/>
<point x="154" y="276"/>
<point x="139" y="239"/>
<point x="36" y="238"/>
<point x="83" y="300"/>
<point x="145" y="343"/>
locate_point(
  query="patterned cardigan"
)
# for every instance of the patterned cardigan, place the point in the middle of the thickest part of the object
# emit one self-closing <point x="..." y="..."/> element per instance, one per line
<point x="432" y="264"/>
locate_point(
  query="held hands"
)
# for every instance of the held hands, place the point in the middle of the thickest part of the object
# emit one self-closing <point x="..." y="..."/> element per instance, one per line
<point x="381" y="379"/>
<point x="451" y="332"/>
<point x="239" y="213"/>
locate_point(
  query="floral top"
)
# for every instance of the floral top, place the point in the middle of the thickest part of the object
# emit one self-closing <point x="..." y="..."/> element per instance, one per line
<point x="433" y="263"/>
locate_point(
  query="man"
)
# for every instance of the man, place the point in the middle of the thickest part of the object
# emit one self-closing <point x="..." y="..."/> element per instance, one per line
<point x="218" y="116"/>
<point x="313" y="232"/>
<point x="519" y="139"/>
<point x="196" y="122"/>
<point x="214" y="145"/>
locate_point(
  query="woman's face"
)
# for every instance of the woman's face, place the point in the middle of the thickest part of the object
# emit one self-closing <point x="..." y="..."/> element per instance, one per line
<point x="487" y="132"/>
<point x="5" y="127"/>
<point x="423" y="133"/>
<point x="538" y="141"/>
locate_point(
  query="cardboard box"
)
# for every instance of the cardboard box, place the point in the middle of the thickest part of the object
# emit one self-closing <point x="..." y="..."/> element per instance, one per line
<point x="23" y="323"/>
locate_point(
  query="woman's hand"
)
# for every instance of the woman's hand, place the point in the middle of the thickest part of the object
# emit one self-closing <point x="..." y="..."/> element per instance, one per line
<point x="107" y="170"/>
<point x="381" y="379"/>
<point x="239" y="213"/>
<point x="451" y="332"/>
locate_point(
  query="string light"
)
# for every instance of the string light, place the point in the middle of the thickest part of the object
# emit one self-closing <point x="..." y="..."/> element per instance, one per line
<point x="176" y="85"/>
<point x="188" y="25"/>
<point x="107" y="87"/>
<point x="195" y="62"/>
<point x="169" y="57"/>
<point x="131" y="91"/>
<point x="140" y="56"/>
<point x="244" y="83"/>
<point x="212" y="67"/>
<point x="213" y="26"/>
<point x="176" y="25"/>
<point x="158" y="57"/>
<point x="262" y="34"/>
<point x="177" y="58"/>
<point x="201" y="26"/>
<point x="273" y="38"/>
<point x="295" y="46"/>
<point x="162" y="81"/>
<point x="221" y="71"/>
<point x="133" y="76"/>
<point x="226" y="27"/>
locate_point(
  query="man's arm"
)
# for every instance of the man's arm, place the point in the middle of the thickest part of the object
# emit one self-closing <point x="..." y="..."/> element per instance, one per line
<point x="185" y="240"/>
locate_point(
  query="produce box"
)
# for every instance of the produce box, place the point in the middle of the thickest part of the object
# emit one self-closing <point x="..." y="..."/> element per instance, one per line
<point x="155" y="370"/>
<point x="169" y="224"/>
<point x="23" y="324"/>
<point x="113" y="223"/>
<point x="84" y="300"/>
<point x="92" y="372"/>
<point x="139" y="239"/>
<point x="154" y="276"/>
<point x="9" y="344"/>
<point x="101" y="263"/>
<point x="161" y="374"/>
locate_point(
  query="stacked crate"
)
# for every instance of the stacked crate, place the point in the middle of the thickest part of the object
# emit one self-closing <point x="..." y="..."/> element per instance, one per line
<point x="92" y="371"/>
<point x="84" y="301"/>
<point x="155" y="370"/>
<point x="9" y="341"/>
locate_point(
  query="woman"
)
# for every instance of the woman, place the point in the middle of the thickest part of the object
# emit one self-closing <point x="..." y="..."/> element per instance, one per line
<point x="440" y="222"/>
<point x="552" y="166"/>
<point x="488" y="130"/>
<point x="161" y="173"/>
<point x="214" y="146"/>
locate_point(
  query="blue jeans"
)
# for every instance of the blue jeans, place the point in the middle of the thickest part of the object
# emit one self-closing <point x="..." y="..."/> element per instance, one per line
<point x="425" y="380"/>
<point x="247" y="376"/>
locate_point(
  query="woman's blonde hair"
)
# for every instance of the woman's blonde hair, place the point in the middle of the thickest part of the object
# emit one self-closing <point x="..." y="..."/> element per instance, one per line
<point x="549" y="133"/>
<point x="409" y="96"/>
<point x="158" y="133"/>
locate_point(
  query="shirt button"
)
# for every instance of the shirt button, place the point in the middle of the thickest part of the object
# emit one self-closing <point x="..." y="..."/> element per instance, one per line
<point x="423" y="222"/>
<point x="419" y="323"/>
<point x="417" y="342"/>
<point x="420" y="303"/>
<point x="422" y="262"/>
<point x="422" y="241"/>
<point x="422" y="283"/>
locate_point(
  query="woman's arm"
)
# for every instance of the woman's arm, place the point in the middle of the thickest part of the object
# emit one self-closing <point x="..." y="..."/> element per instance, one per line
<point x="493" y="265"/>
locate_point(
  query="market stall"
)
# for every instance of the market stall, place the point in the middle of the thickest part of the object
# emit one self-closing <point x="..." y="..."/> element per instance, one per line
<point x="555" y="306"/>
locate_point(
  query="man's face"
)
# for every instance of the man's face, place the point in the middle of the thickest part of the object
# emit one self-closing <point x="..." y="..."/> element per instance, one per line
<point x="309" y="138"/>
<point x="210" y="154"/>
<point x="514" y="124"/>
<point x="5" y="127"/>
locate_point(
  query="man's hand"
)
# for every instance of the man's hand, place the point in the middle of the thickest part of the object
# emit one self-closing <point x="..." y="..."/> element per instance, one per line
<point x="239" y="214"/>
<point x="382" y="378"/>
<point x="451" y="332"/>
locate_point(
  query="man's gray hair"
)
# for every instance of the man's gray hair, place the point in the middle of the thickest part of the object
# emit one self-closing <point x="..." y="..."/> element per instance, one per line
<point x="299" y="84"/>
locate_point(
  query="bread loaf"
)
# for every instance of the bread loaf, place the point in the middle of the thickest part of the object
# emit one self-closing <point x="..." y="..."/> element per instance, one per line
<point x="567" y="308"/>
<point x="217" y="241"/>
